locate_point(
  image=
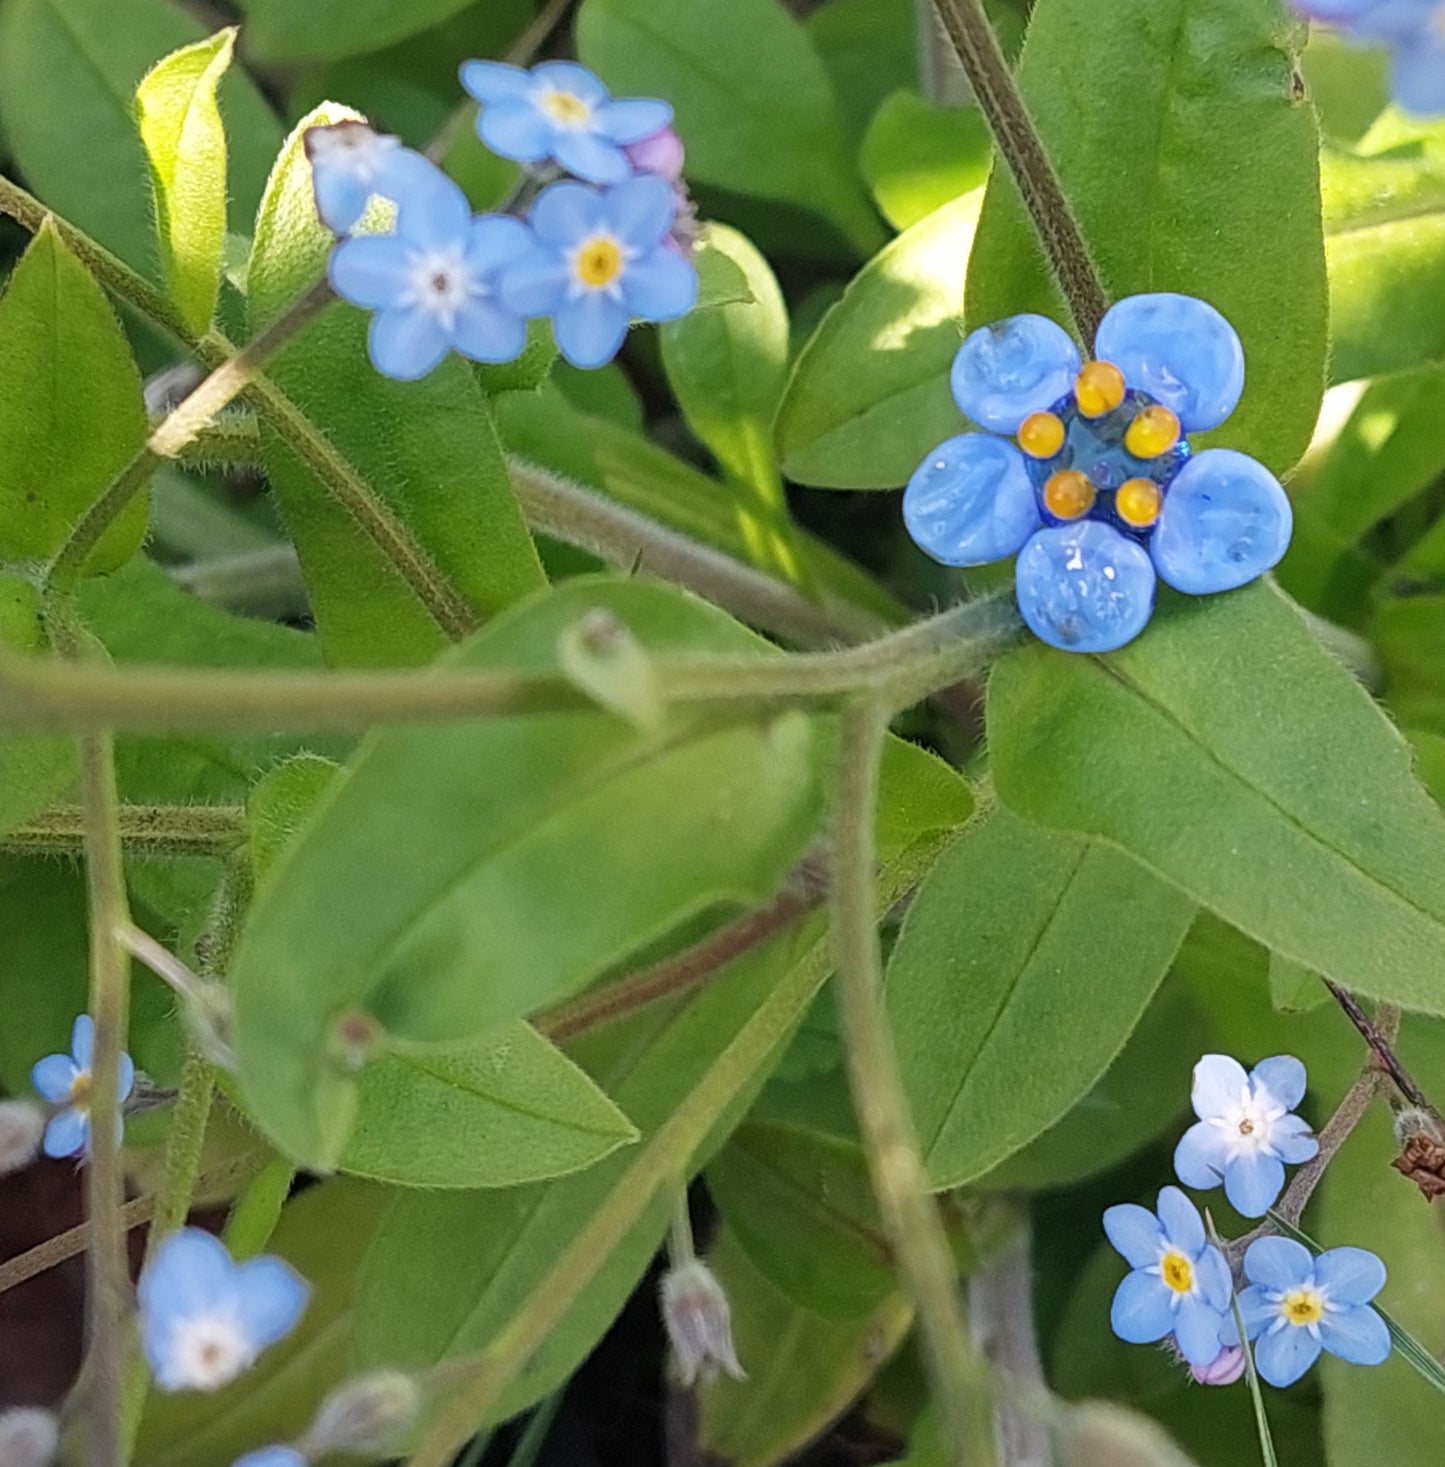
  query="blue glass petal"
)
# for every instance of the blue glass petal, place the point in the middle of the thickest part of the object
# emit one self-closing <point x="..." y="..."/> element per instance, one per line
<point x="494" y="81"/>
<point x="1225" y="522"/>
<point x="970" y="501"/>
<point x="67" y="1133"/>
<point x="189" y="1274"/>
<point x="1217" y="1086"/>
<point x="590" y="330"/>
<point x="1200" y="1156"/>
<point x="1142" y="1311"/>
<point x="1196" y="1331"/>
<point x="1183" y="1226"/>
<point x="565" y="213"/>
<point x="370" y="270"/>
<point x="1135" y="1232"/>
<point x="1418" y="77"/>
<point x="535" y="283"/>
<point x="82" y="1040"/>
<point x="268" y="1297"/>
<point x="272" y="1457"/>
<point x="1279" y="1264"/>
<point x="590" y="157"/>
<point x="630" y="119"/>
<point x="54" y="1076"/>
<point x="640" y="211"/>
<point x="1006" y="371"/>
<point x="1358" y="1335"/>
<point x="661" y="286"/>
<point x="1253" y="1183"/>
<point x="1084" y="587"/>
<point x="495" y="241"/>
<point x="516" y="129"/>
<point x="568" y="76"/>
<point x="405" y="344"/>
<point x="1283" y="1076"/>
<point x="1283" y="1355"/>
<point x="1349" y="1275"/>
<point x="1180" y="351"/>
<point x="488" y="332"/>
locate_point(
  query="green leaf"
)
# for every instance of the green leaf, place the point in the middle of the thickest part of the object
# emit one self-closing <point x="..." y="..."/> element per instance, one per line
<point x="325" y="30"/>
<point x="1024" y="963"/>
<point x="281" y="803"/>
<point x="801" y="1207"/>
<point x="1294" y="988"/>
<point x="752" y="98"/>
<point x="870" y="48"/>
<point x="180" y="125"/>
<point x="1410" y="635"/>
<point x="436" y="860"/>
<point x="918" y="156"/>
<point x="1307" y="831"/>
<point x="869" y="394"/>
<point x="1186" y="147"/>
<point x="429" y="449"/>
<point x="803" y="1369"/>
<point x="498" y="1111"/>
<point x="721" y="279"/>
<point x="68" y="74"/>
<point x="74" y="415"/>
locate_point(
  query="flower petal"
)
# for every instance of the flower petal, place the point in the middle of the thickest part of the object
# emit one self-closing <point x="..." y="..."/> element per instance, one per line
<point x="1283" y="1076"/>
<point x="1292" y="1140"/>
<point x="1135" y="1232"/>
<point x="1253" y="1183"/>
<point x="1183" y="1226"/>
<point x="1006" y="371"/>
<point x="1084" y="587"/>
<point x="125" y="1079"/>
<point x="403" y="172"/>
<point x="1280" y="1264"/>
<point x="1258" y="1314"/>
<point x="190" y="1274"/>
<point x="82" y="1040"/>
<point x="590" y="157"/>
<point x="341" y="197"/>
<point x="495" y="81"/>
<point x="1217" y="1086"/>
<point x="516" y="129"/>
<point x="54" y="1077"/>
<point x="1180" y="351"/>
<point x="1283" y="1356"/>
<point x="271" y="1457"/>
<point x="1142" y="1311"/>
<point x="1215" y="1281"/>
<point x="640" y="211"/>
<point x="535" y="283"/>
<point x="1200" y="1157"/>
<point x="67" y="1133"/>
<point x="1418" y="78"/>
<point x="565" y="213"/>
<point x="437" y="216"/>
<point x="590" y="330"/>
<point x="495" y="240"/>
<point x="1349" y="1275"/>
<point x="971" y="501"/>
<point x="661" y="286"/>
<point x="630" y="119"/>
<point x="405" y="344"/>
<point x="488" y="332"/>
<point x="568" y="76"/>
<point x="1358" y="1335"/>
<point x="1225" y="521"/>
<point x="1196" y="1331"/>
<point x="268" y="1297"/>
<point x="370" y="270"/>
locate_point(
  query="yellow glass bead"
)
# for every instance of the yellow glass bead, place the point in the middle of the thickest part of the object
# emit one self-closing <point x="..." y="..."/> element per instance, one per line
<point x="1138" y="502"/>
<point x="1098" y="389"/>
<point x="1068" y="494"/>
<point x="1154" y="432"/>
<point x="1041" y="435"/>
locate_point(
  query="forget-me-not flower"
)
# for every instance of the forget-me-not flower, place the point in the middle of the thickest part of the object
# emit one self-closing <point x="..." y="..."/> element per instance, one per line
<point x="1246" y="1130"/>
<point x="205" y="1318"/>
<point x="433" y="283"/>
<point x="561" y="111"/>
<point x="1085" y="473"/>
<point x="1180" y="1284"/>
<point x="1412" y="30"/>
<point x="271" y="1457"/>
<point x="1297" y="1305"/>
<point x="65" y="1080"/>
<point x="598" y="258"/>
<point x="350" y="163"/>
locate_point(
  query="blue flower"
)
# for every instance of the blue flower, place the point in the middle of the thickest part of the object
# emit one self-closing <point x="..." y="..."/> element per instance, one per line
<point x="433" y="283"/>
<point x="1296" y="1305"/>
<point x="559" y="110"/>
<point x="1412" y="30"/>
<point x="1101" y="495"/>
<point x="205" y="1318"/>
<point x="1180" y="1284"/>
<point x="64" y="1080"/>
<point x="1246" y="1130"/>
<point x="350" y="163"/>
<point x="272" y="1457"/>
<point x="597" y="259"/>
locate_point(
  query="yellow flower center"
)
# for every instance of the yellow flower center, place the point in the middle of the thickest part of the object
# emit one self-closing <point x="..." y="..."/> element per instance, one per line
<point x="1152" y="433"/>
<point x="1068" y="494"/>
<point x="599" y="262"/>
<point x="1178" y="1272"/>
<point x="566" y="109"/>
<point x="80" y="1090"/>
<point x="1138" y="502"/>
<point x="1303" y="1306"/>
<point x="1098" y="389"/>
<point x="1041" y="435"/>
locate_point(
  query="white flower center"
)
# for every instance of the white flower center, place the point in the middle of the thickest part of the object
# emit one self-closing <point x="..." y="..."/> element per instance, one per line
<point x="1301" y="1307"/>
<point x="352" y="146"/>
<point x="80" y="1088"/>
<point x="442" y="283"/>
<point x="208" y="1351"/>
<point x="1248" y="1125"/>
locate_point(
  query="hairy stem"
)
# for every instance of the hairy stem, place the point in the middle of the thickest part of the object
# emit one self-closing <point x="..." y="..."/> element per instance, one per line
<point x="1023" y="150"/>
<point x="1381" y="1039"/>
<point x="151" y="830"/>
<point x="909" y="1210"/>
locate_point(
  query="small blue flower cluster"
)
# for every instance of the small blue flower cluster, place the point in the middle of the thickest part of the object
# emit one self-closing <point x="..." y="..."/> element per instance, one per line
<point x="609" y="245"/>
<point x="1412" y="30"/>
<point x="1181" y="1288"/>
<point x="1100" y="494"/>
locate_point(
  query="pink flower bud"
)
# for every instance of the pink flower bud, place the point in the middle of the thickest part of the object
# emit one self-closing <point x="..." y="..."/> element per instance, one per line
<point x="662" y="154"/>
<point x="699" y="1324"/>
<point x="1224" y="1369"/>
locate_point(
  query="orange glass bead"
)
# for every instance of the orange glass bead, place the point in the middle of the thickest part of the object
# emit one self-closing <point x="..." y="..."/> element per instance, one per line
<point x="1098" y="389"/>
<point x="1154" y="432"/>
<point x="1068" y="494"/>
<point x="1041" y="435"/>
<point x="1138" y="502"/>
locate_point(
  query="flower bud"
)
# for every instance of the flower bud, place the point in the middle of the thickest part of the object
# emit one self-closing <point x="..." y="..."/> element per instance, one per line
<point x="662" y="154"/>
<point x="1411" y="1122"/>
<point x="365" y="1414"/>
<point x="22" y="1125"/>
<point x="699" y="1323"/>
<point x="1224" y="1369"/>
<point x="29" y="1437"/>
<point x="1097" y="1434"/>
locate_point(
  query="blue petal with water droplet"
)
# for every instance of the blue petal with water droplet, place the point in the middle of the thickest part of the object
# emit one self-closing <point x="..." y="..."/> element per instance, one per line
<point x="1085" y="587"/>
<point x="1006" y="371"/>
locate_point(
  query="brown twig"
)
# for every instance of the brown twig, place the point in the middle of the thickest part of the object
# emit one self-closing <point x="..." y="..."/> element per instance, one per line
<point x="1380" y="1038"/>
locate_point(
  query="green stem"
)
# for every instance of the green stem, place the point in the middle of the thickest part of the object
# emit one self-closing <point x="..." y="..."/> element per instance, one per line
<point x="151" y="830"/>
<point x="1023" y="150"/>
<point x="959" y="1377"/>
<point x="258" y="1209"/>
